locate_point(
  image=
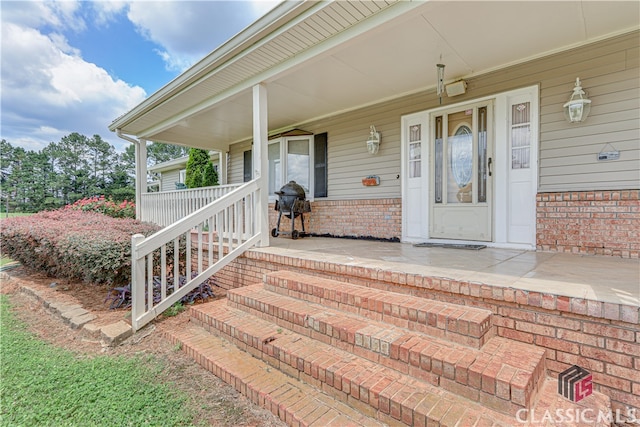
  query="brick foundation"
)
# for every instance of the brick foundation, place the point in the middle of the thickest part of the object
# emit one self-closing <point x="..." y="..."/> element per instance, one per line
<point x="603" y="338"/>
<point x="374" y="218"/>
<point x="589" y="222"/>
<point x="581" y="222"/>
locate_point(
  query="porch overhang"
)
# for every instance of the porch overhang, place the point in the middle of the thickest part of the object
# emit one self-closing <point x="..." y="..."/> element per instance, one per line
<point x="322" y="58"/>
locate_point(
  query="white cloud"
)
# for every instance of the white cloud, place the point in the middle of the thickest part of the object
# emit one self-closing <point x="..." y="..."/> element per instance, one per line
<point x="48" y="90"/>
<point x="106" y="11"/>
<point x="189" y="30"/>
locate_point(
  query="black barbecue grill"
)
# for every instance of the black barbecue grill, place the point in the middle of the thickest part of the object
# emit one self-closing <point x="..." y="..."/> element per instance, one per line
<point x="291" y="202"/>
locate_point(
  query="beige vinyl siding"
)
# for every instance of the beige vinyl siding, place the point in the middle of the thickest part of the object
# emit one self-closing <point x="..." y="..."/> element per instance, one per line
<point x="235" y="173"/>
<point x="168" y="180"/>
<point x="609" y="72"/>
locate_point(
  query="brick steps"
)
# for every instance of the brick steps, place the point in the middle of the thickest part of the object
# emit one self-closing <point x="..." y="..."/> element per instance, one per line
<point x="374" y="390"/>
<point x="351" y="355"/>
<point x="295" y="402"/>
<point x="459" y="324"/>
<point x="500" y="371"/>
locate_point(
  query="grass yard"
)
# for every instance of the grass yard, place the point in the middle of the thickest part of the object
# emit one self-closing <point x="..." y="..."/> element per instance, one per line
<point x="44" y="385"/>
<point x="4" y="215"/>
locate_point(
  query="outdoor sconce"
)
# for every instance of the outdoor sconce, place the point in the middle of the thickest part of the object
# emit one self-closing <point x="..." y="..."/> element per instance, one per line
<point x="440" y="82"/>
<point x="578" y="107"/>
<point x="373" y="143"/>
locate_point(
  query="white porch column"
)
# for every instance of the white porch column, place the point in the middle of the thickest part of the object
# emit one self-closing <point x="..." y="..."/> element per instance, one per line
<point x="141" y="174"/>
<point x="260" y="158"/>
<point x="222" y="167"/>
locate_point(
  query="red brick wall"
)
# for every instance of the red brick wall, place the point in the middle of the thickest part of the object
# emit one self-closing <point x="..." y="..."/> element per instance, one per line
<point x="604" y="338"/>
<point x="374" y="218"/>
<point x="589" y="222"/>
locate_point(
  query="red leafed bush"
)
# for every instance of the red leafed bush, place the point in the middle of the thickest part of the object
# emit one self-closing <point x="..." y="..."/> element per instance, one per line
<point x="72" y="244"/>
<point x="105" y="206"/>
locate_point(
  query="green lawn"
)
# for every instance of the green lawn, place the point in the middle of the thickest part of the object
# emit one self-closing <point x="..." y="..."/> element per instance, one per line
<point x="3" y="215"/>
<point x="42" y="385"/>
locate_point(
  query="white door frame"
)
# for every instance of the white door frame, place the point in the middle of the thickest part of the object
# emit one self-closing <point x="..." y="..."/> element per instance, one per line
<point x="501" y="167"/>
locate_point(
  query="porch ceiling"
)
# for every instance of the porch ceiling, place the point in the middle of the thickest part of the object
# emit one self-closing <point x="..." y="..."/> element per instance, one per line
<point x="344" y="55"/>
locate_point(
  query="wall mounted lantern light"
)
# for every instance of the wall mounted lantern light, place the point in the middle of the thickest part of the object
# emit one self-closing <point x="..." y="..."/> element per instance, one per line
<point x="373" y="143"/>
<point x="577" y="109"/>
<point x="440" y="82"/>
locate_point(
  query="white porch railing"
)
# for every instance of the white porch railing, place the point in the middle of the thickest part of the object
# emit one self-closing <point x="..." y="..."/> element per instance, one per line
<point x="166" y="207"/>
<point x="196" y="247"/>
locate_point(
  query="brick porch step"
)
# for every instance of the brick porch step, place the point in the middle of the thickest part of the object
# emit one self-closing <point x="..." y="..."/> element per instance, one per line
<point x="373" y="389"/>
<point x="296" y="403"/>
<point x="500" y="372"/>
<point x="465" y="325"/>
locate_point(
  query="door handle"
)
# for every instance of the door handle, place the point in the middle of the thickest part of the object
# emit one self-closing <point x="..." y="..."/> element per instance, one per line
<point x="489" y="165"/>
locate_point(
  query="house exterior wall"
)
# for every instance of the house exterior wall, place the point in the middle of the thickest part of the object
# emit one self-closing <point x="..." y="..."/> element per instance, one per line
<point x="379" y="218"/>
<point x="590" y="222"/>
<point x="168" y="179"/>
<point x="568" y="152"/>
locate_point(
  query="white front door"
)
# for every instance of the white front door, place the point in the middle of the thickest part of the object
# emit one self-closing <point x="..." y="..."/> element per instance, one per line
<point x="461" y="172"/>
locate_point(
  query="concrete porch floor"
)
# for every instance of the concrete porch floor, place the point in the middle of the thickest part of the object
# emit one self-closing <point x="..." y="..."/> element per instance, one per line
<point x="600" y="278"/>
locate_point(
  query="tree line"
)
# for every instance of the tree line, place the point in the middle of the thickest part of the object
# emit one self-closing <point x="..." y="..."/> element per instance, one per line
<point x="74" y="168"/>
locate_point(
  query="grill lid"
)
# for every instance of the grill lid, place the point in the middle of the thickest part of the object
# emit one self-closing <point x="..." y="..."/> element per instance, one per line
<point x="292" y="189"/>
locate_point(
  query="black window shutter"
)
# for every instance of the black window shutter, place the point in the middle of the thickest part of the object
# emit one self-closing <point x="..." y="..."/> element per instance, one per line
<point x="248" y="166"/>
<point x="320" y="164"/>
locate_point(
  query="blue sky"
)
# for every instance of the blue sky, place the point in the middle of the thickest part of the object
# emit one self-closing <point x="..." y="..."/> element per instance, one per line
<point x="74" y="66"/>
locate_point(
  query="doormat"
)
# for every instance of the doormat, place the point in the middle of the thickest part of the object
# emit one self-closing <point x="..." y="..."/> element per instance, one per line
<point x="450" y="246"/>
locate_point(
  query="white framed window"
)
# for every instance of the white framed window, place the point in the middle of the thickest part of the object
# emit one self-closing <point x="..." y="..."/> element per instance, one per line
<point x="291" y="159"/>
<point x="183" y="175"/>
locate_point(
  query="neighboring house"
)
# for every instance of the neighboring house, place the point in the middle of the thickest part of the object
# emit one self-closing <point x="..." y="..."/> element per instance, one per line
<point x="490" y="159"/>
<point x="172" y="173"/>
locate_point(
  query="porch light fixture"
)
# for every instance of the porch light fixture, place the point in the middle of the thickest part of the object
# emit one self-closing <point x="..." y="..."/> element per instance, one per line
<point x="578" y="107"/>
<point x="373" y="143"/>
<point x="440" y="83"/>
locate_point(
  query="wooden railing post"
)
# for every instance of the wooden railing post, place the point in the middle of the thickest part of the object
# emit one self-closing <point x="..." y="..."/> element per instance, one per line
<point x="138" y="295"/>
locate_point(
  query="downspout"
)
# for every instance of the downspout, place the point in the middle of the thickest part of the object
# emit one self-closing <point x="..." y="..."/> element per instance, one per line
<point x="141" y="168"/>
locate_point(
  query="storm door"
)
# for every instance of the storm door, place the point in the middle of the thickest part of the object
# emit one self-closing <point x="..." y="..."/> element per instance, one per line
<point x="462" y="170"/>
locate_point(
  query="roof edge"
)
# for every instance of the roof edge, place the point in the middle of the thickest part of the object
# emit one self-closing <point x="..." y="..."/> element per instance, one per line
<point x="282" y="13"/>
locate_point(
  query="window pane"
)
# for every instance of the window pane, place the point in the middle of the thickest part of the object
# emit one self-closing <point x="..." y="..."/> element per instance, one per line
<point x="320" y="165"/>
<point x="520" y="158"/>
<point x="438" y="161"/>
<point x="298" y="162"/>
<point x="248" y="166"/>
<point x="520" y="136"/>
<point x="459" y="158"/>
<point x="275" y="172"/>
<point x="414" y="151"/>
<point x="520" y="113"/>
<point x="482" y="154"/>
<point x="414" y="133"/>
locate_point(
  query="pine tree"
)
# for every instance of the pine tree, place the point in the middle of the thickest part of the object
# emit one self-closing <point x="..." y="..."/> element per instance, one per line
<point x="209" y="176"/>
<point x="198" y="160"/>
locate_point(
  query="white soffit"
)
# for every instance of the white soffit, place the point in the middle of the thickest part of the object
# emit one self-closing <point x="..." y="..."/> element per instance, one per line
<point x="393" y="57"/>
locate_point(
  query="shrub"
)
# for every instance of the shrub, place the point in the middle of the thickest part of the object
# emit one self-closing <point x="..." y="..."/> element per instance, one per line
<point x="105" y="206"/>
<point x="120" y="297"/>
<point x="74" y="244"/>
